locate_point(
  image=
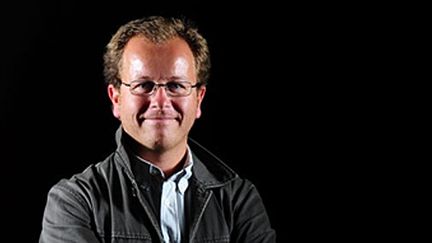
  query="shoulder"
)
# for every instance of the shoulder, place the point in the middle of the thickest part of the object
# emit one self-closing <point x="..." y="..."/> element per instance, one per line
<point x="92" y="180"/>
<point x="208" y="169"/>
<point x="95" y="172"/>
<point x="241" y="189"/>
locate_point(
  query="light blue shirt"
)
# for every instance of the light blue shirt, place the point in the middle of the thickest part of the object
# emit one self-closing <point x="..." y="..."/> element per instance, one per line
<point x="172" y="200"/>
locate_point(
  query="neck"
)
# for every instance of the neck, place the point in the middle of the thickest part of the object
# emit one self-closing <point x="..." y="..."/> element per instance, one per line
<point x="169" y="161"/>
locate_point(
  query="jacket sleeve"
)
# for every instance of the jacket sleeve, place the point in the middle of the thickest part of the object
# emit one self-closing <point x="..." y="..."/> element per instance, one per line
<point x="66" y="217"/>
<point x="251" y="222"/>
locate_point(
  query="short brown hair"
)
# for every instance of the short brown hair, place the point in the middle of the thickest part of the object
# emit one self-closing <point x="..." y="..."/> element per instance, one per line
<point x="157" y="29"/>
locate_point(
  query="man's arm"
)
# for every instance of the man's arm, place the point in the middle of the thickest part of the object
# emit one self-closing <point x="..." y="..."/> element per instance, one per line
<point x="66" y="217"/>
<point x="251" y="222"/>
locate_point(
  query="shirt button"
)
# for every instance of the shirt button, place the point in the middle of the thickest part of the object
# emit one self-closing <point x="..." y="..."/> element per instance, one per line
<point x="169" y="204"/>
<point x="154" y="171"/>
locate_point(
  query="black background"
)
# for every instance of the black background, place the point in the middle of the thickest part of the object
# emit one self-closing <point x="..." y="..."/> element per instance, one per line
<point x="274" y="109"/>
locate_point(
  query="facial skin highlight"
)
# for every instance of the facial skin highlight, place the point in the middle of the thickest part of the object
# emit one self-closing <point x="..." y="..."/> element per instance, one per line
<point x="159" y="122"/>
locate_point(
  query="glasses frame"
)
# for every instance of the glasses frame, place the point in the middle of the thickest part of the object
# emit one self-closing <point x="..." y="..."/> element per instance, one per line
<point x="156" y="86"/>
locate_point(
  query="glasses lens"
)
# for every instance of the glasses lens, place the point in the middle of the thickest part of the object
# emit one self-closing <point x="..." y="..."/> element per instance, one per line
<point x="143" y="87"/>
<point x="177" y="88"/>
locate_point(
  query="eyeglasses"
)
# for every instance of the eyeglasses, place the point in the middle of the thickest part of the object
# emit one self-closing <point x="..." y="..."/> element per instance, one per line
<point x="172" y="88"/>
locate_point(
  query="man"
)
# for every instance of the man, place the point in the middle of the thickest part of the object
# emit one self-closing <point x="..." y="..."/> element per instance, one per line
<point x="158" y="186"/>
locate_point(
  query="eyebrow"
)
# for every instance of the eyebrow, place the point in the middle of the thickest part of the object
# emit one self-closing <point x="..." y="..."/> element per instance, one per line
<point x="144" y="78"/>
<point x="177" y="78"/>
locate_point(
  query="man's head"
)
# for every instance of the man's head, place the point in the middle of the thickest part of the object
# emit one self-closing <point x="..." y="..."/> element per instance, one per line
<point x="156" y="71"/>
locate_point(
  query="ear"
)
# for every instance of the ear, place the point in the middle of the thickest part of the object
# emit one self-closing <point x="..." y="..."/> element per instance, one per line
<point x="114" y="95"/>
<point x="201" y="94"/>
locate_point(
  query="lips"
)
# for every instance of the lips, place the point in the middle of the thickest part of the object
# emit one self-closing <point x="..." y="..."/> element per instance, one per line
<point x="161" y="115"/>
<point x="160" y="118"/>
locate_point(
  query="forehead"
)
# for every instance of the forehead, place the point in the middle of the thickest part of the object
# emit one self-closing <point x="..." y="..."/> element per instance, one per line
<point x="145" y="49"/>
<point x="145" y="59"/>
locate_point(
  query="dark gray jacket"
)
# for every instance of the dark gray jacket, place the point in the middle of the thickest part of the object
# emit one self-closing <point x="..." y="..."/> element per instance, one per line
<point x="110" y="202"/>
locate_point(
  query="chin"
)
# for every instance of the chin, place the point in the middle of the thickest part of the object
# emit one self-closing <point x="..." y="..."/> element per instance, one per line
<point x="158" y="143"/>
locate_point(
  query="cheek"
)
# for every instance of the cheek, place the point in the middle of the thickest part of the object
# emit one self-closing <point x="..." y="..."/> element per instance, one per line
<point x="138" y="104"/>
<point x="133" y="105"/>
<point x="194" y="109"/>
<point x="184" y="107"/>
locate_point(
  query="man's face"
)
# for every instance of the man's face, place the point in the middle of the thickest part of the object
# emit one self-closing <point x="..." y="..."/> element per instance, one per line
<point x="158" y="121"/>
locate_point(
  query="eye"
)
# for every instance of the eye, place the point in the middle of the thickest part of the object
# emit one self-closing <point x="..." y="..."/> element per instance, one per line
<point x="175" y="86"/>
<point x="144" y="86"/>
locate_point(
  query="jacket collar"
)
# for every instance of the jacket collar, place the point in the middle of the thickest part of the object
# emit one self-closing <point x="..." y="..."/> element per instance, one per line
<point x="208" y="170"/>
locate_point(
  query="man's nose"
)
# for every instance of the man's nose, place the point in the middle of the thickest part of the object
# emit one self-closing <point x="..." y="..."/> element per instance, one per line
<point x="160" y="98"/>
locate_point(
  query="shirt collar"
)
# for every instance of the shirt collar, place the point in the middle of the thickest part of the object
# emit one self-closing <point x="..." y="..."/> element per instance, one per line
<point x="185" y="173"/>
